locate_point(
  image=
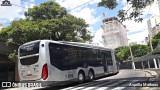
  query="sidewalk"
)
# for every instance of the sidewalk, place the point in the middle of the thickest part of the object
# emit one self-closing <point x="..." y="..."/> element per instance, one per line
<point x="153" y="73"/>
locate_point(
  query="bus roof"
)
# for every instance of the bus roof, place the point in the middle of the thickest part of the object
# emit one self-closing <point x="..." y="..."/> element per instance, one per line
<point x="30" y="42"/>
<point x="84" y="45"/>
<point x="72" y="43"/>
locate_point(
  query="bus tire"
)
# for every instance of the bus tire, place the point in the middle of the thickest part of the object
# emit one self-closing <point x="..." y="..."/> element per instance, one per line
<point x="91" y="75"/>
<point x="81" y="77"/>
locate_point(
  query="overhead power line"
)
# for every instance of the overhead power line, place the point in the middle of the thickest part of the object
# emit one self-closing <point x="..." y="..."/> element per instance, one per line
<point x="19" y="6"/>
<point x="68" y="11"/>
<point x="80" y="5"/>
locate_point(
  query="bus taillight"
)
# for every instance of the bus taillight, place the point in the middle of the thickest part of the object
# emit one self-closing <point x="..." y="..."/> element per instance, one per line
<point x="18" y="77"/>
<point x="44" y="72"/>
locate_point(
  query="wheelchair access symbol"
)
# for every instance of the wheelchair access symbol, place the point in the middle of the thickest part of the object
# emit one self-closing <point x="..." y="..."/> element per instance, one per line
<point x="6" y="3"/>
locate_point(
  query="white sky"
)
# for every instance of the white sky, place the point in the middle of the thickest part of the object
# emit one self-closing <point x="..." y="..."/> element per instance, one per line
<point x="142" y="26"/>
<point x="10" y="12"/>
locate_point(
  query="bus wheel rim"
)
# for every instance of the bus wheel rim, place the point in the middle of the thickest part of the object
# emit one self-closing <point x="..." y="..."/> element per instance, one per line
<point x="90" y="75"/>
<point x="81" y="77"/>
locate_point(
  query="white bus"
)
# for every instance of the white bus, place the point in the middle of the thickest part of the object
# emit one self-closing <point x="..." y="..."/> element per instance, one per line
<point x="47" y="60"/>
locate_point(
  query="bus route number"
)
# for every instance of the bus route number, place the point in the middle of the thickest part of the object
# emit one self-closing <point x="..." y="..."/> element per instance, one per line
<point x="69" y="75"/>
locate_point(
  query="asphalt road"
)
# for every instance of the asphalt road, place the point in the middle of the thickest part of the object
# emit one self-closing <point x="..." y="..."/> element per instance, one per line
<point x="124" y="80"/>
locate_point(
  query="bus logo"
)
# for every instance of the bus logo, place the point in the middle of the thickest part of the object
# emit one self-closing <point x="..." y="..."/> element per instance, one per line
<point x="6" y="3"/>
<point x="6" y="84"/>
<point x="29" y="48"/>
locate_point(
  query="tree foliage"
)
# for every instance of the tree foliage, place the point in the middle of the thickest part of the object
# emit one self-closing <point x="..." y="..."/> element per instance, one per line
<point x="136" y="5"/>
<point x="13" y="56"/>
<point x="138" y="50"/>
<point x="122" y="53"/>
<point x="155" y="40"/>
<point x="46" y="10"/>
<point x="110" y="4"/>
<point x="46" y="21"/>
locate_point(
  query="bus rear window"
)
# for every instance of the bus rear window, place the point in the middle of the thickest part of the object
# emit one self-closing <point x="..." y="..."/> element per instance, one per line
<point x="29" y="49"/>
<point x="29" y="60"/>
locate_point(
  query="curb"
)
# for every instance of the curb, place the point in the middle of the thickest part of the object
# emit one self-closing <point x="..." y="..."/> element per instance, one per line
<point x="153" y="73"/>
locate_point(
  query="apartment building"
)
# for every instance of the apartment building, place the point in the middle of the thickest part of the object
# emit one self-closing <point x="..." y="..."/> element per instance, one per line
<point x="114" y="33"/>
<point x="153" y="25"/>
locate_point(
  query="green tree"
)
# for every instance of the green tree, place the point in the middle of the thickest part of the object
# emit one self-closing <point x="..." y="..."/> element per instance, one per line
<point x="46" y="10"/>
<point x="47" y="21"/>
<point x="155" y="40"/>
<point x="138" y="50"/>
<point x="122" y="53"/>
<point x="136" y="5"/>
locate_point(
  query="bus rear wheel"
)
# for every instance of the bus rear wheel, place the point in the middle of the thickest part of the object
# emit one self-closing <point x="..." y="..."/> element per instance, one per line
<point x="90" y="75"/>
<point x="81" y="77"/>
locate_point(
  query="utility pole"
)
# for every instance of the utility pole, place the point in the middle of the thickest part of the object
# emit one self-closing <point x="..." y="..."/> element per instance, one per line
<point x="133" y="65"/>
<point x="130" y="52"/>
<point x="150" y="42"/>
<point x="154" y="60"/>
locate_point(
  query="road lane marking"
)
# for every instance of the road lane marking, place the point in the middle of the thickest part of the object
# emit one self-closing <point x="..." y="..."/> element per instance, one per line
<point x="90" y="85"/>
<point x="100" y="85"/>
<point x="85" y="85"/>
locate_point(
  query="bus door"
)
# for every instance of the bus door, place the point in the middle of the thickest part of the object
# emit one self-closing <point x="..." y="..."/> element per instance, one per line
<point x="108" y="58"/>
<point x="105" y="63"/>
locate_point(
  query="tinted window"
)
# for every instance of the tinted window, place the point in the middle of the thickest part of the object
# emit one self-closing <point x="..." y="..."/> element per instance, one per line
<point x="29" y="49"/>
<point x="100" y="56"/>
<point x="66" y="57"/>
<point x="29" y="60"/>
<point x="56" y="55"/>
<point x="109" y="58"/>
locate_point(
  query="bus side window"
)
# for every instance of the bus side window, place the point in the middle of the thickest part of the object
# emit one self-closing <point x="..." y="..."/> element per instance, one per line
<point x="100" y="56"/>
<point x="69" y="56"/>
<point x="56" y="54"/>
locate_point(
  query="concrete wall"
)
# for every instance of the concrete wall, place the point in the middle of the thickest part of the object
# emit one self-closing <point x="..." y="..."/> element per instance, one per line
<point x="7" y="67"/>
<point x="7" y="71"/>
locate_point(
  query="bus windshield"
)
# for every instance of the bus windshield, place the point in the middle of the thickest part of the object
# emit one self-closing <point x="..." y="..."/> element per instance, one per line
<point x="29" y="49"/>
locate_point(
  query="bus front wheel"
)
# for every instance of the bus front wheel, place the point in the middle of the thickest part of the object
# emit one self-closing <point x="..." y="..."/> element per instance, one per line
<point x="81" y="77"/>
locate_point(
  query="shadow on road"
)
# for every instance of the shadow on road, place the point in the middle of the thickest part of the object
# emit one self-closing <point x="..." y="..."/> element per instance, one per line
<point x="71" y="84"/>
<point x="87" y="83"/>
